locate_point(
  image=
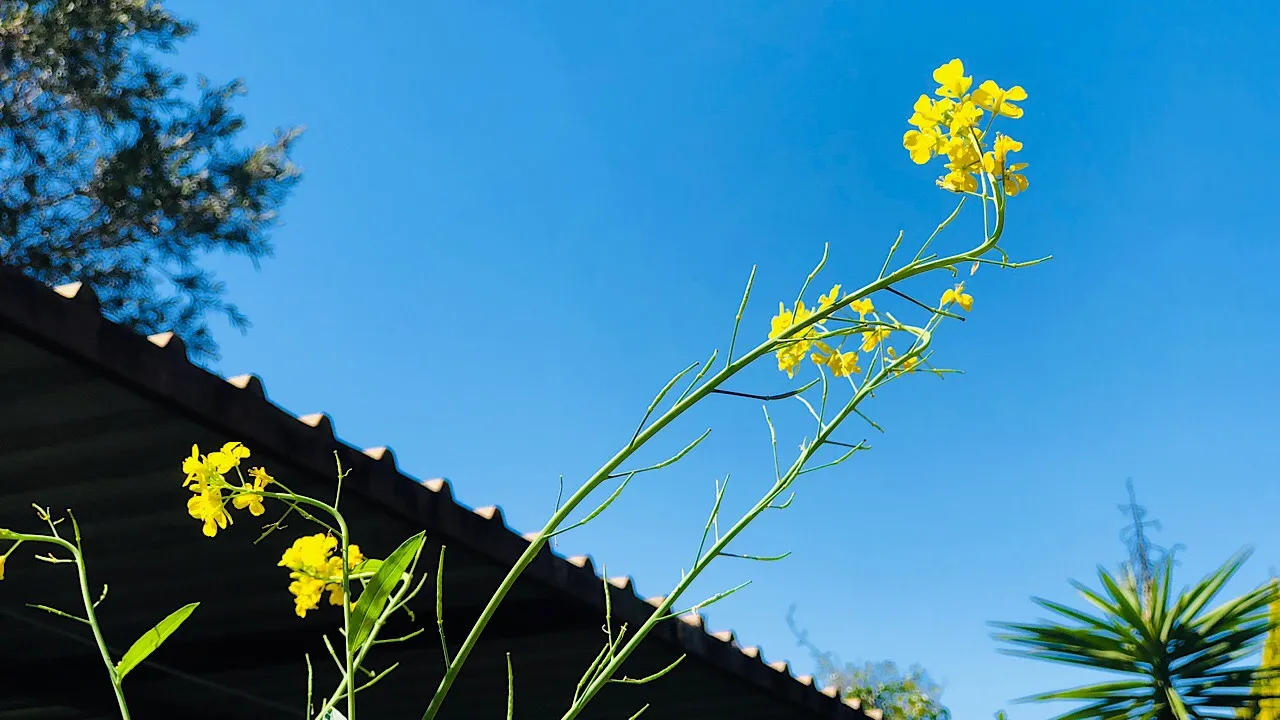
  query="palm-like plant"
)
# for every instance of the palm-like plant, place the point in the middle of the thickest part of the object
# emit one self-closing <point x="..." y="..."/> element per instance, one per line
<point x="1180" y="659"/>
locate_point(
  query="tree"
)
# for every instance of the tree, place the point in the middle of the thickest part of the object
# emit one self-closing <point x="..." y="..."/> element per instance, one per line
<point x="912" y="695"/>
<point x="1178" y="658"/>
<point x="113" y="175"/>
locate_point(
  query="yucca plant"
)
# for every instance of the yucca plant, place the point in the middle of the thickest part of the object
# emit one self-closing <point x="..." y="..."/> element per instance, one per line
<point x="1179" y="659"/>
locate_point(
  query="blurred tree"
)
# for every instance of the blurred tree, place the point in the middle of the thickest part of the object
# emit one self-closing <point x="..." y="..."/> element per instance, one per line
<point x="112" y="175"/>
<point x="912" y="695"/>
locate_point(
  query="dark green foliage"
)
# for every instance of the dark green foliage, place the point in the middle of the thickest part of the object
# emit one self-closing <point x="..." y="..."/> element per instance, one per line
<point x="112" y="175"/>
<point x="1177" y="657"/>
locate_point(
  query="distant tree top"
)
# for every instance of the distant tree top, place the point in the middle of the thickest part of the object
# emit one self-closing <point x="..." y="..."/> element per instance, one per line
<point x="112" y="175"/>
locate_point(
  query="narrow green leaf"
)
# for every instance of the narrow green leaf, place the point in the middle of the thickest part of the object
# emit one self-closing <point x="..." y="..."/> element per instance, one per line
<point x="373" y="600"/>
<point x="1175" y="702"/>
<point x="153" y="638"/>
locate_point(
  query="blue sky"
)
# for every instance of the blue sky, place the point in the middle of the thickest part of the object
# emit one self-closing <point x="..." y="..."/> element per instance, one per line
<point x="518" y="219"/>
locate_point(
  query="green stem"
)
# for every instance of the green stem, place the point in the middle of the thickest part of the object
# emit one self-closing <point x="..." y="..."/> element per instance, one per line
<point x="605" y="675"/>
<point x="347" y="686"/>
<point x="91" y="617"/>
<point x="345" y="537"/>
<point x="641" y="438"/>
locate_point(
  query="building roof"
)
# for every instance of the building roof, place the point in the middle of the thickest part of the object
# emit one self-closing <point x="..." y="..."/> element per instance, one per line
<point x="96" y="417"/>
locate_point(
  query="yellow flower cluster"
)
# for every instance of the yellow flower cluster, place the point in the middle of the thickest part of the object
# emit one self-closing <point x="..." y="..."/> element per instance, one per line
<point x="794" y="349"/>
<point x="206" y="476"/>
<point x="2" y="559"/>
<point x="792" y="352"/>
<point x="312" y="566"/>
<point x="948" y="127"/>
<point x="314" y="570"/>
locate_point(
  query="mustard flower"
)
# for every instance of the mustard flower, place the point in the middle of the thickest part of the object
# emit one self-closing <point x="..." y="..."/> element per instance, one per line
<point x="356" y="558"/>
<point x="965" y="117"/>
<point x="873" y="337"/>
<point x="311" y="551"/>
<point x="793" y="351"/>
<point x="843" y="364"/>
<point x="862" y="307"/>
<point x="204" y="470"/>
<point x="251" y="494"/>
<point x="207" y="507"/>
<point x="2" y="559"/>
<point x="316" y="570"/>
<point x="929" y="114"/>
<point x="952" y="82"/>
<point x="964" y="161"/>
<point x="306" y="593"/>
<point x="995" y="162"/>
<point x="958" y="296"/>
<point x="826" y="301"/>
<point x="230" y="455"/>
<point x="922" y="145"/>
<point x="998" y="100"/>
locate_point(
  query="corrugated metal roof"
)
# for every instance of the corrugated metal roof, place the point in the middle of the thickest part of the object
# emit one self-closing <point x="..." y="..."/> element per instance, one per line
<point x="93" y="416"/>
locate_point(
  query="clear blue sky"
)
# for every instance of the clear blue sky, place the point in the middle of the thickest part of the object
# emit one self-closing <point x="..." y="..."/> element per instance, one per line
<point x="517" y="221"/>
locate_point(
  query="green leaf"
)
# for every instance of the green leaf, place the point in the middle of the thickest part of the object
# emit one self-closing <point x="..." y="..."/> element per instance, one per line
<point x="153" y="638"/>
<point x="374" y="598"/>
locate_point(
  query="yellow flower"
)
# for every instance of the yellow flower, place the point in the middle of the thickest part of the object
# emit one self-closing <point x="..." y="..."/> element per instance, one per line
<point x="928" y="114"/>
<point x="996" y="99"/>
<point x="781" y="322"/>
<point x="792" y="353"/>
<point x="958" y="296"/>
<point x="962" y="152"/>
<point x="260" y="478"/>
<point x="873" y="337"/>
<point x="922" y="145"/>
<point x="207" y="507"/>
<point x="311" y="551"/>
<point x="250" y="495"/>
<point x="206" y="470"/>
<point x="199" y="470"/>
<point x="995" y="162"/>
<point x="862" y="307"/>
<point x="316" y="570"/>
<point x="964" y="160"/>
<point x="306" y="591"/>
<point x="2" y="558"/>
<point x="229" y="456"/>
<point x="250" y="500"/>
<point x="826" y="301"/>
<point x="335" y="573"/>
<point x="952" y="82"/>
<point x="844" y="364"/>
<point x="958" y="181"/>
<point x="965" y="117"/>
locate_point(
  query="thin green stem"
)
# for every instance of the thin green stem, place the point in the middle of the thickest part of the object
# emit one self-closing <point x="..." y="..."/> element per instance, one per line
<point x="941" y="226"/>
<point x="674" y="412"/>
<point x="892" y="250"/>
<point x="737" y="320"/>
<point x="91" y="617"/>
<point x="663" y="611"/>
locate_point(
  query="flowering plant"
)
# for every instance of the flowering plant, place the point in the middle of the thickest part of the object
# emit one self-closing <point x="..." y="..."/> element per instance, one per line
<point x="850" y="340"/>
